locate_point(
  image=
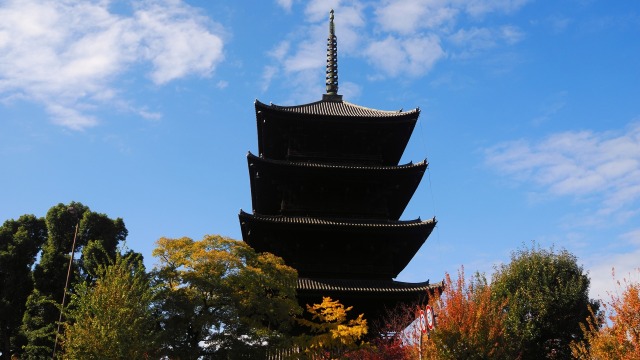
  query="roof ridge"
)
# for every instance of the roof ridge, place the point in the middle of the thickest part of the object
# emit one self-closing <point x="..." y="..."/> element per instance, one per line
<point x="337" y="108"/>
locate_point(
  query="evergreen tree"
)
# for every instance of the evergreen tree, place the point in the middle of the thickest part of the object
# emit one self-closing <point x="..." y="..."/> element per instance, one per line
<point x="20" y="242"/>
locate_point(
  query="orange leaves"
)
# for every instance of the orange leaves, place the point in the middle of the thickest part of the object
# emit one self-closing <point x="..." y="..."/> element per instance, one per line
<point x="619" y="337"/>
<point x="469" y="322"/>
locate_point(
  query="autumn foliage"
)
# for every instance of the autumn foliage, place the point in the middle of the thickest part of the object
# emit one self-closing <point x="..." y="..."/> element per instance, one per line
<point x="619" y="337"/>
<point x="333" y="334"/>
<point x="469" y="322"/>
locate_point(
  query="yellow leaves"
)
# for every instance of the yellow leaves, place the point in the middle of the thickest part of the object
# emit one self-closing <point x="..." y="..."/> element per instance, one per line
<point x="225" y="288"/>
<point x="334" y="331"/>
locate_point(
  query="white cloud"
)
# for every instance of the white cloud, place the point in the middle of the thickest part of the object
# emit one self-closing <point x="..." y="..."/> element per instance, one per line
<point x="67" y="56"/>
<point x="599" y="166"/>
<point x="409" y="16"/>
<point x="175" y="39"/>
<point x="411" y="56"/>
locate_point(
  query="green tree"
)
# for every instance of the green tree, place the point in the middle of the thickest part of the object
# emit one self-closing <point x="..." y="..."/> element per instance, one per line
<point x="97" y="239"/>
<point x="20" y="242"/>
<point x="546" y="299"/>
<point x="112" y="318"/>
<point x="220" y="298"/>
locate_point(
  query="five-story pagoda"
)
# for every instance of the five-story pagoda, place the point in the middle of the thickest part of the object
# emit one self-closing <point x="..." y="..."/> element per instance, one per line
<point x="328" y="193"/>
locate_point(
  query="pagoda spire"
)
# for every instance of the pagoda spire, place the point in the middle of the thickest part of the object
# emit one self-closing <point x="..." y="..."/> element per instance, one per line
<point x="332" y="63"/>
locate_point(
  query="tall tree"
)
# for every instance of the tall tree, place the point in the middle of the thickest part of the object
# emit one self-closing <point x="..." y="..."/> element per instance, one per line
<point x="112" y="318"/>
<point x="546" y="296"/>
<point x="20" y="242"/>
<point x="221" y="298"/>
<point x="97" y="238"/>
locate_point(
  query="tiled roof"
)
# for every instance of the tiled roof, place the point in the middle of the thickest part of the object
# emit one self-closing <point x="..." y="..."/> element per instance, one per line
<point x="336" y="108"/>
<point x="337" y="222"/>
<point x="360" y="285"/>
<point x="338" y="166"/>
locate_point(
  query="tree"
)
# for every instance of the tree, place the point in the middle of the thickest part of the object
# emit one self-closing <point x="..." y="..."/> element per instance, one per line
<point x="546" y="299"/>
<point x="221" y="298"/>
<point x="335" y="336"/>
<point x="618" y="338"/>
<point x="97" y="239"/>
<point x="469" y="321"/>
<point x="112" y="318"/>
<point x="20" y="242"/>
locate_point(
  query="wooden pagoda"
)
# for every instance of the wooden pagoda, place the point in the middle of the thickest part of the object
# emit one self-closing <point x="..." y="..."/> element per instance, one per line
<point x="328" y="192"/>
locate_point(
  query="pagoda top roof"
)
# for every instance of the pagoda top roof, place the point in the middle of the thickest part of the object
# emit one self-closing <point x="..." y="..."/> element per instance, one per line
<point x="339" y="108"/>
<point x="364" y="285"/>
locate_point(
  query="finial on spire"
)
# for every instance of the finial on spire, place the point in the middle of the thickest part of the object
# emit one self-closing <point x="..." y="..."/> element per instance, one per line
<point x="332" y="60"/>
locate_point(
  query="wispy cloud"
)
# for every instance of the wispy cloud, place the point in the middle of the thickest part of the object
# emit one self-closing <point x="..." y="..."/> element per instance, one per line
<point x="285" y="4"/>
<point x="607" y="265"/>
<point x="603" y="167"/>
<point x="400" y="38"/>
<point x="68" y="56"/>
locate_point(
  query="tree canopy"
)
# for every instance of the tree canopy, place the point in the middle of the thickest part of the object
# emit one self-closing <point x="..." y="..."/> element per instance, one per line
<point x="113" y="317"/>
<point x="219" y="297"/>
<point x="546" y="298"/>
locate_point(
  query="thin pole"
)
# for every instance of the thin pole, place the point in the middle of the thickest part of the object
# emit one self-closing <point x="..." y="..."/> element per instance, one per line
<point x="66" y="285"/>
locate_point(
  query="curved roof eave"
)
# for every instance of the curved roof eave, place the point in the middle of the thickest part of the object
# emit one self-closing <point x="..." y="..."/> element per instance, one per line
<point x="363" y="285"/>
<point x="421" y="164"/>
<point x="305" y="220"/>
<point x="336" y="108"/>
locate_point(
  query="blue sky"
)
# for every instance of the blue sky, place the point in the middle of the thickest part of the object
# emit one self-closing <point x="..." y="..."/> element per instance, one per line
<point x="530" y="114"/>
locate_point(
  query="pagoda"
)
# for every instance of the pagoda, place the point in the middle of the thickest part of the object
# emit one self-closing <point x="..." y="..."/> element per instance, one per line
<point x="328" y="192"/>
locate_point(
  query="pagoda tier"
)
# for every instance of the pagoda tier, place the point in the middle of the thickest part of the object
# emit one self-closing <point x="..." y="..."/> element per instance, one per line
<point x="337" y="248"/>
<point x="366" y="295"/>
<point x="333" y="131"/>
<point x="349" y="191"/>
